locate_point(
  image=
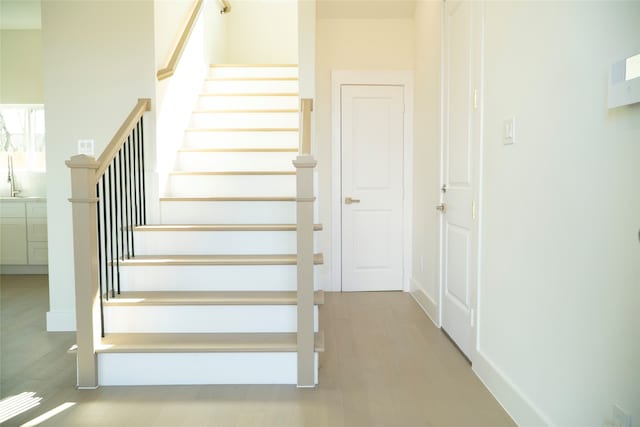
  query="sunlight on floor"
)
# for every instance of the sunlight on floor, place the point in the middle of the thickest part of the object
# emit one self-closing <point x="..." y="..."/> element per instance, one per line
<point x="16" y="405"/>
<point x="49" y="414"/>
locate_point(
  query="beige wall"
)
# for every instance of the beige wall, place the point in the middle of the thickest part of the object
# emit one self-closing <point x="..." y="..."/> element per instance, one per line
<point x="350" y="44"/>
<point x="560" y="289"/>
<point x="426" y="155"/>
<point x="21" y="67"/>
<point x="262" y="32"/>
<point x="98" y="59"/>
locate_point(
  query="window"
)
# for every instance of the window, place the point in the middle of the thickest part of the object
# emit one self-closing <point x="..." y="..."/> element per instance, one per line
<point x="22" y="137"/>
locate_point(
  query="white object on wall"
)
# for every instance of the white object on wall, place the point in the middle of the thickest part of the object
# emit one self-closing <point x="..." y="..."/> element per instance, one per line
<point x="624" y="82"/>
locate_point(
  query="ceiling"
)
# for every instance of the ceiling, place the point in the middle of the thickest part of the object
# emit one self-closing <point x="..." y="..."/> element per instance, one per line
<point x="20" y="15"/>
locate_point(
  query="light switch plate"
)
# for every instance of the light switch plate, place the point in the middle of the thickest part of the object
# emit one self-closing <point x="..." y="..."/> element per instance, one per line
<point x="86" y="146"/>
<point x="509" y="131"/>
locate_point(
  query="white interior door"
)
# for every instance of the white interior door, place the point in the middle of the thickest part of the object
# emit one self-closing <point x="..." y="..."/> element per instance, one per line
<point x="372" y="135"/>
<point x="461" y="168"/>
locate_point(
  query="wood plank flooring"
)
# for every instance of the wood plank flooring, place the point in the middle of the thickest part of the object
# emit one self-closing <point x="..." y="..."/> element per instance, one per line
<point x="385" y="364"/>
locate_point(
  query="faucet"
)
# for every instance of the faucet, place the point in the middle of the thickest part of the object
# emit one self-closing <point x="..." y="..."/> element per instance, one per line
<point x="11" y="178"/>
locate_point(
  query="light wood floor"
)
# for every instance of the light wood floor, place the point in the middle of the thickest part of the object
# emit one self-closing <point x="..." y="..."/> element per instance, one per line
<point x="385" y="365"/>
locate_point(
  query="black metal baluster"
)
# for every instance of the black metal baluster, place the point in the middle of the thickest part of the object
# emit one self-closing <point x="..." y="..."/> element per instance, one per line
<point x="139" y="176"/>
<point x="116" y="208"/>
<point x="143" y="186"/>
<point x="130" y="195"/>
<point x="121" y="203"/>
<point x="104" y="222"/>
<point x="111" y="230"/>
<point x="125" y="195"/>
<point x="99" y="257"/>
<point x="134" y="177"/>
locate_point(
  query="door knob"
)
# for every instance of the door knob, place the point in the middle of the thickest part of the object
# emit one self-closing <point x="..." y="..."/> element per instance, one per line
<point x="349" y="200"/>
<point x="442" y="207"/>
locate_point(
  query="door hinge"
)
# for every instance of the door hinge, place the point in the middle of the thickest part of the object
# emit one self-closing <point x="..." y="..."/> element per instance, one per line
<point x="475" y="99"/>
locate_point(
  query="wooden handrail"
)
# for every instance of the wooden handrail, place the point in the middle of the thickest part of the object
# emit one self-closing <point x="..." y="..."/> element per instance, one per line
<point x="119" y="138"/>
<point x="170" y="69"/>
<point x="306" y="107"/>
<point x="225" y="6"/>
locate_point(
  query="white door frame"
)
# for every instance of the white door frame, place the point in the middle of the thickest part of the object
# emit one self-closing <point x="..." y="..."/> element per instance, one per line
<point x="372" y="78"/>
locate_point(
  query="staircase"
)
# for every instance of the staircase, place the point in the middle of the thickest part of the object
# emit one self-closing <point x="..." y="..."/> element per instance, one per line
<point x="210" y="295"/>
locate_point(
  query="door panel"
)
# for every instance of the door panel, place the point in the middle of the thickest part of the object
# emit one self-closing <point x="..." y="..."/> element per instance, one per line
<point x="461" y="171"/>
<point x="372" y="134"/>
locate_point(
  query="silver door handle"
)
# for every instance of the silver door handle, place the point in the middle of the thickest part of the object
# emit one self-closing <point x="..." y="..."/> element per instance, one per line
<point x="349" y="200"/>
<point x="442" y="207"/>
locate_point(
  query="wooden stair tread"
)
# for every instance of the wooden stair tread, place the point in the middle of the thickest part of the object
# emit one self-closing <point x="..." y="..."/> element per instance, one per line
<point x="238" y="111"/>
<point x="241" y="130"/>
<point x="202" y="343"/>
<point x="230" y="199"/>
<point x="232" y="173"/>
<point x="248" y="79"/>
<point x="250" y="94"/>
<point x="238" y="150"/>
<point x="215" y="260"/>
<point x="209" y="298"/>
<point x="221" y="227"/>
<point x="252" y="65"/>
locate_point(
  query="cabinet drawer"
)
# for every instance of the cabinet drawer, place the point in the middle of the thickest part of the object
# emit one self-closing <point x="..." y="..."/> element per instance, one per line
<point x="37" y="229"/>
<point x="36" y="210"/>
<point x="11" y="209"/>
<point x="38" y="253"/>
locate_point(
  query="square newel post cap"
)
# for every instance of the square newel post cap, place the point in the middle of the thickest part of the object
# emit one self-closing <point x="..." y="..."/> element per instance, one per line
<point x="305" y="162"/>
<point x="82" y="161"/>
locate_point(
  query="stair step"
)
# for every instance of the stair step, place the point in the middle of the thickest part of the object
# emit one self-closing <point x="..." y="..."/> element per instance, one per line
<point x="252" y="87"/>
<point x="198" y="343"/>
<point x="245" y="111"/>
<point x="244" y="119"/>
<point x="244" y="139"/>
<point x="250" y="79"/>
<point x="228" y="210"/>
<point x="210" y="278"/>
<point x="184" y="260"/>
<point x="232" y="184"/>
<point x="259" y="70"/>
<point x="238" y="150"/>
<point x="244" y="129"/>
<point x="228" y="161"/>
<point x="221" y="227"/>
<point x="248" y="102"/>
<point x="209" y="298"/>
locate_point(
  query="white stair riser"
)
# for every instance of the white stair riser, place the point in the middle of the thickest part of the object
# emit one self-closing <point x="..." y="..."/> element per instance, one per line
<point x="209" y="278"/>
<point x="227" y="212"/>
<point x="215" y="242"/>
<point x="235" y="161"/>
<point x="203" y="319"/>
<point x="250" y="86"/>
<point x="249" y="72"/>
<point x="198" y="368"/>
<point x="249" y="102"/>
<point x="244" y="120"/>
<point x="231" y="185"/>
<point x="241" y="139"/>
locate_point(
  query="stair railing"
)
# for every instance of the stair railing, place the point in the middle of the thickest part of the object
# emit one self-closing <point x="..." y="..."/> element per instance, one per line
<point x="305" y="198"/>
<point x="108" y="201"/>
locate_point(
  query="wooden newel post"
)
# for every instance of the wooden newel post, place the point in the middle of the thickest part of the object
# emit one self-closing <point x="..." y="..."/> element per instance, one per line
<point x="85" y="256"/>
<point x="305" y="165"/>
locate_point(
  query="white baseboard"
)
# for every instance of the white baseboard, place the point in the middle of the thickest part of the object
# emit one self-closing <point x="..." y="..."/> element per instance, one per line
<point x="61" y="321"/>
<point x="427" y="303"/>
<point x="521" y="409"/>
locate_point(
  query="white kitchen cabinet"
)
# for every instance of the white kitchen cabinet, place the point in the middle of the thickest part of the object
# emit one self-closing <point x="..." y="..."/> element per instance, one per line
<point x="23" y="232"/>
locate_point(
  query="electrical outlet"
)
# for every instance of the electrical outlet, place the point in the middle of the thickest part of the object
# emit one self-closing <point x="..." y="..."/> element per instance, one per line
<point x="620" y="418"/>
<point x="85" y="146"/>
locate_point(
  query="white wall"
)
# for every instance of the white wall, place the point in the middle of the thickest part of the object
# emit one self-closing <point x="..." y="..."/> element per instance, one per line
<point x="177" y="95"/>
<point x="426" y="152"/>
<point x="349" y="44"/>
<point x="262" y="32"/>
<point x="21" y="67"/>
<point x="98" y="59"/>
<point x="560" y="291"/>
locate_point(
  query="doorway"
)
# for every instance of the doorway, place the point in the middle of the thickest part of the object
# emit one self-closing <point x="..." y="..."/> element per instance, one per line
<point x="371" y="201"/>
